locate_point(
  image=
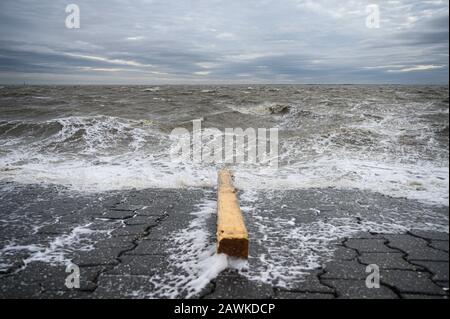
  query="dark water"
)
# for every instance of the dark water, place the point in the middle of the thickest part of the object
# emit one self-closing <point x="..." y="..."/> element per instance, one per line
<point x="390" y="139"/>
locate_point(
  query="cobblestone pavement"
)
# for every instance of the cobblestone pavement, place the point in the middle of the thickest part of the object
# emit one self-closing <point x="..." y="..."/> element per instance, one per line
<point x="412" y="265"/>
<point x="124" y="242"/>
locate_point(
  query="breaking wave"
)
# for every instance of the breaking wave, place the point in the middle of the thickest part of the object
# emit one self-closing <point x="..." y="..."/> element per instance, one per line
<point x="346" y="137"/>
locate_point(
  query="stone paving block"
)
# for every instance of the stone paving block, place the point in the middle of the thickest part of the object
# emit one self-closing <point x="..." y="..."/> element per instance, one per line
<point x="151" y="247"/>
<point x="419" y="296"/>
<point x="126" y="207"/>
<point x="405" y="242"/>
<point x="97" y="257"/>
<point x="112" y="200"/>
<point x="443" y="284"/>
<point x="208" y="289"/>
<point x="407" y="281"/>
<point x="387" y="261"/>
<point x="310" y="284"/>
<point x="152" y="212"/>
<point x="302" y="295"/>
<point x="112" y="214"/>
<point x="357" y="289"/>
<point x="427" y="254"/>
<point x="66" y="294"/>
<point x="56" y="229"/>
<point x="437" y="268"/>
<point x="230" y="272"/>
<point x="130" y="230"/>
<point x="46" y="276"/>
<point x="93" y="212"/>
<point x="430" y="235"/>
<point x="38" y="276"/>
<point x="439" y="244"/>
<point x="13" y="232"/>
<point x="145" y="265"/>
<point x="105" y="226"/>
<point x="157" y="233"/>
<point x="14" y="262"/>
<point x="89" y="275"/>
<point x="13" y="288"/>
<point x="143" y="198"/>
<point x="124" y="242"/>
<point x="167" y="226"/>
<point x="237" y="287"/>
<point x="344" y="270"/>
<point x="142" y="220"/>
<point x="369" y="245"/>
<point x="344" y="253"/>
<point x="416" y="248"/>
<point x="122" y="287"/>
<point x="75" y="218"/>
<point x="367" y="235"/>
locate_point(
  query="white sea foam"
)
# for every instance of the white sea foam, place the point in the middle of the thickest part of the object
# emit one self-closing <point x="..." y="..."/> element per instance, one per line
<point x="193" y="259"/>
<point x="287" y="251"/>
<point x="101" y="153"/>
<point x="153" y="89"/>
<point x="427" y="183"/>
<point x="265" y="108"/>
<point x="55" y="252"/>
<point x="4" y="266"/>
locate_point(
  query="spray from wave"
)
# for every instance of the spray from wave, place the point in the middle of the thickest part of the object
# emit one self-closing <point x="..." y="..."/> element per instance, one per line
<point x="385" y="139"/>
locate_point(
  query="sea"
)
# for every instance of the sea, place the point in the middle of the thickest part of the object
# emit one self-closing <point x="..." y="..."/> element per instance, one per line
<point x="351" y="159"/>
<point x="387" y="139"/>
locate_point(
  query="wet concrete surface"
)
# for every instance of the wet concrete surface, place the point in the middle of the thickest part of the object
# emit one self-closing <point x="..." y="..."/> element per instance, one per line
<point x="123" y="241"/>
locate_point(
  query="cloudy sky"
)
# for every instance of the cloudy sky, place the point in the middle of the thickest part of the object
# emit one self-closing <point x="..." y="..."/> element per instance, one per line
<point x="224" y="41"/>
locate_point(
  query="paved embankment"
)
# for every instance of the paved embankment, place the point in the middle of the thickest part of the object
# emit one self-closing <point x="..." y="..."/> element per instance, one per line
<point x="156" y="242"/>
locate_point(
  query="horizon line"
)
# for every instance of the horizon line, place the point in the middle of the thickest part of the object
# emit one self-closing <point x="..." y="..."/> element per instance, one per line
<point x="214" y="84"/>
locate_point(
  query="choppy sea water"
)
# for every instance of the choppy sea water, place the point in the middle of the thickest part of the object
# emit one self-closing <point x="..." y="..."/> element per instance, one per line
<point x="388" y="139"/>
<point x="391" y="140"/>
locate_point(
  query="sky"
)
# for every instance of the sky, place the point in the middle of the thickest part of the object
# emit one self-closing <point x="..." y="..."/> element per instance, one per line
<point x="224" y="42"/>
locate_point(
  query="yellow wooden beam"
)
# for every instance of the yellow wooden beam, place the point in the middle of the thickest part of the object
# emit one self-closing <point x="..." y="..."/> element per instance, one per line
<point x="232" y="236"/>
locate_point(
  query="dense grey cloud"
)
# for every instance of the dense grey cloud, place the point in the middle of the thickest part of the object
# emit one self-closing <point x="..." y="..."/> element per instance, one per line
<point x="215" y="41"/>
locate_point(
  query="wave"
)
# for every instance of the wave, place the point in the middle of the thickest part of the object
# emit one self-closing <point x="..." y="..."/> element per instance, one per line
<point x="332" y="137"/>
<point x="100" y="167"/>
<point x="265" y="108"/>
<point x="86" y="135"/>
<point x="153" y="89"/>
<point x="17" y="129"/>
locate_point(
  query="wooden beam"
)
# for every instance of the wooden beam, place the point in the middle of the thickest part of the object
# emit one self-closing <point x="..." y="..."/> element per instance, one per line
<point x="232" y="236"/>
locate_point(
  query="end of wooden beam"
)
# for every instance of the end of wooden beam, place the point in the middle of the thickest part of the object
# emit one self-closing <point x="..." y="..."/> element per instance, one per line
<point x="232" y="236"/>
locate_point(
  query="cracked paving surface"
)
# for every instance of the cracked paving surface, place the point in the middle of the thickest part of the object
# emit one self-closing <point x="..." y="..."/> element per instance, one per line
<point x="304" y="244"/>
